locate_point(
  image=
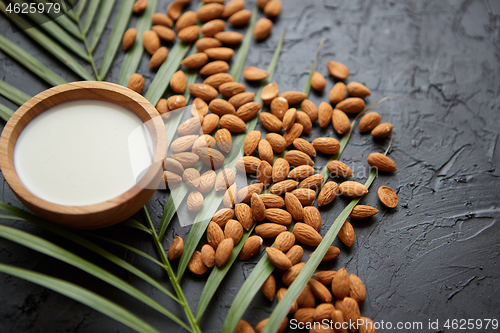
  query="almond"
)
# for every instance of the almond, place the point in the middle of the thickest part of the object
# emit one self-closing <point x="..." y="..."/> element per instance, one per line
<point x="269" y="230"/>
<point x="262" y="3"/>
<point x="341" y="122"/>
<point x="176" y="248"/>
<point x="326" y="145"/>
<point x="222" y="216"/>
<point x="352" y="189"/>
<point x="293" y="97"/>
<point x="173" y="166"/>
<point x="320" y="291"/>
<point x="207" y="181"/>
<point x="129" y="38"/>
<point x="328" y="193"/>
<point x="351" y="105"/>
<point x="208" y="255"/>
<point x="294" y="206"/>
<point x="284" y="241"/>
<point x="216" y="80"/>
<point x="251" y="247"/>
<point x="301" y="172"/>
<point x="340" y="169"/>
<point x="306" y="234"/>
<point x="272" y="200"/>
<point x="210" y="123"/>
<point x="280" y="294"/>
<point x="248" y="164"/>
<point x="277" y="215"/>
<point x="356" y="89"/>
<point x="382" y="130"/>
<point x="305" y="315"/>
<point x="162" y="106"/>
<point x="346" y="234"/>
<point x="312" y="217"/>
<point x="279" y="106"/>
<point x="224" y="251"/>
<point x="240" y="17"/>
<point x="183" y="143"/>
<point x="246" y="192"/>
<point x="273" y="8"/>
<point x="189" y="34"/>
<point x="199" y="108"/>
<point x="206" y="43"/>
<point x="266" y="151"/>
<point x="283" y="186"/>
<point x="367" y="325"/>
<point x="196" y="265"/>
<point x="318" y="81"/>
<point x="296" y="158"/>
<point x="162" y="19"/>
<point x="229" y="37"/>
<point x="338" y="70"/>
<point x="136" y="83"/>
<point x="232" y="7"/>
<point x="278" y="259"/>
<point x="151" y="41"/>
<point x="381" y="162"/>
<point x="387" y="196"/>
<point x="323" y="311"/>
<point x="312" y="182"/>
<point x="214" y="67"/>
<point x="289" y="118"/>
<point x="174" y="10"/>
<point x="233" y="230"/>
<point x="251" y="142"/>
<point x="258" y="207"/>
<point x="243" y="326"/>
<point x="252" y="73"/>
<point x="220" y="53"/>
<point x="244" y="215"/>
<point x="305" y="121"/>
<point x="325" y="112"/>
<point x="229" y="89"/>
<point x="357" y="289"/>
<point x="295" y="254"/>
<point x="306" y="196"/>
<point x="209" y="12"/>
<point x="269" y="92"/>
<point x="304" y="146"/>
<point x="164" y="33"/>
<point x="337" y="94"/>
<point x="325" y="277"/>
<point x="260" y="326"/>
<point x="351" y="312"/>
<point x="195" y="60"/>
<point x="293" y="133"/>
<point x="363" y="212"/>
<point x="270" y="122"/>
<point x="225" y="178"/>
<point x="306" y="298"/>
<point x="203" y="91"/>
<point x="310" y="109"/>
<point x="205" y="141"/>
<point x="248" y="111"/>
<point x="213" y="27"/>
<point x="221" y="107"/>
<point x="332" y="253"/>
<point x="140" y="6"/>
<point x="277" y="142"/>
<point x="224" y="140"/>
<point x="177" y="102"/>
<point x="269" y="287"/>
<point x="215" y="235"/>
<point x="338" y="317"/>
<point x="262" y="28"/>
<point x="341" y="284"/>
<point x="186" y="159"/>
<point x="241" y="99"/>
<point x="210" y="157"/>
<point x="369" y="121"/>
<point x="292" y="273"/>
<point x="229" y="198"/>
<point x="178" y="82"/>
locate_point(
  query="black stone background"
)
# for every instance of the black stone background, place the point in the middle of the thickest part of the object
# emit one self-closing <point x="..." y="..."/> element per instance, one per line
<point x="433" y="257"/>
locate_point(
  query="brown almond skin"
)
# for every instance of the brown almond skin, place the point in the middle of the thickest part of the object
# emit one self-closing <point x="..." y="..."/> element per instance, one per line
<point x="262" y="28"/>
<point x="251" y="247"/>
<point x="221" y="107"/>
<point x="209" y="11"/>
<point x="381" y="162"/>
<point x="229" y="37"/>
<point x="232" y="7"/>
<point x="244" y="327"/>
<point x="240" y="17"/>
<point x="229" y="89"/>
<point x="225" y="178"/>
<point x="291" y="274"/>
<point x="333" y="252"/>
<point x="289" y="118"/>
<point x="357" y="289"/>
<point x="346" y="234"/>
<point x="293" y="133"/>
<point x="325" y="112"/>
<point x="294" y="206"/>
<point x="304" y="146"/>
<point x="272" y="200"/>
<point x="196" y="265"/>
<point x="369" y="121"/>
<point x="367" y="326"/>
<point x="283" y="186"/>
<point x="312" y="217"/>
<point x="176" y="248"/>
<point x="129" y="38"/>
<point x="162" y="19"/>
<point x="214" y="67"/>
<point x="189" y="34"/>
<point x="279" y="106"/>
<point x="281" y="168"/>
<point x="151" y="41"/>
<point x="229" y="198"/>
<point x="320" y="291"/>
<point x="341" y="284"/>
<point x="210" y="123"/>
<point x="382" y="130"/>
<point x="277" y="142"/>
<point x="195" y="60"/>
<point x="258" y="207"/>
<point x="241" y="99"/>
<point x="215" y="235"/>
<point x="164" y="33"/>
<point x="178" y="82"/>
<point x="233" y="230"/>
<point x="387" y="196"/>
<point x="273" y="8"/>
<point x="140" y="6"/>
<point x="278" y="258"/>
<point x="351" y="311"/>
<point x="293" y="97"/>
<point x="305" y="315"/>
<point x="352" y="189"/>
<point x="326" y="145"/>
<point x="269" y="230"/>
<point x="338" y="70"/>
<point x="217" y="79"/>
<point x="208" y="255"/>
<point x="205" y="43"/>
<point x="297" y="158"/>
<point x="306" y="298"/>
<point x="248" y="164"/>
<point x="224" y="251"/>
<point x="269" y="92"/>
<point x="313" y="182"/>
<point x="213" y="27"/>
<point x="306" y="196"/>
<point x="338" y="92"/>
<point x="325" y="277"/>
<point x="269" y="287"/>
<point x="271" y="122"/>
<point x="310" y="109"/>
<point x="136" y="83"/>
<point x="323" y="311"/>
<point x="328" y="193"/>
<point x="251" y="142"/>
<point x="279" y="216"/>
<point x="266" y="151"/>
<point x="203" y="91"/>
<point x="185" y="20"/>
<point x="301" y="172"/>
<point x="340" y="121"/>
<point x="356" y="89"/>
<point x="318" y="81"/>
<point x="305" y="121"/>
<point x="363" y="212"/>
<point x="174" y="10"/>
<point x="244" y="215"/>
<point x="306" y="234"/>
<point x="284" y="241"/>
<point x="340" y="169"/>
<point x="252" y="73"/>
<point x="295" y="254"/>
<point x="351" y="105"/>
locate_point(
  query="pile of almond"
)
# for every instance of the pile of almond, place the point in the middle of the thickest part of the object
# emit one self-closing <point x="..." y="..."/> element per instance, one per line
<point x="215" y="45"/>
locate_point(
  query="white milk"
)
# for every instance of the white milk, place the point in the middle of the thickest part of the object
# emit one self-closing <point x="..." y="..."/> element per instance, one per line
<point x="83" y="152"/>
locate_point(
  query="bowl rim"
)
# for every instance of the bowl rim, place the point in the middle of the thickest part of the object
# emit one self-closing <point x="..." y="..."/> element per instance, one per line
<point x="17" y="123"/>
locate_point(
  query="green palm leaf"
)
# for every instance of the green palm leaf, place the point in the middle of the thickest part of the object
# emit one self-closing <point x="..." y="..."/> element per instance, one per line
<point x="89" y="16"/>
<point x="80" y="8"/>
<point x="63" y="20"/>
<point x="100" y="23"/>
<point x="13" y="94"/>
<point x="81" y="295"/>
<point x="115" y="37"/>
<point x="133" y="56"/>
<point x="28" y="61"/>
<point x="5" y="112"/>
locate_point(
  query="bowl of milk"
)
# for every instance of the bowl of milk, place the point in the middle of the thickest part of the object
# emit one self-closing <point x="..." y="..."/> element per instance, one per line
<point x="84" y="154"/>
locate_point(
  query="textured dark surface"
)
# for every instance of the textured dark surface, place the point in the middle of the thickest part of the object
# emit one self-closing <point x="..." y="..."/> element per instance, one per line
<point x="436" y="256"/>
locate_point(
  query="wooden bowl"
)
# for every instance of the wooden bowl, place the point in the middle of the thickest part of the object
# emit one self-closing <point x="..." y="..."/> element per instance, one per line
<point x="96" y="215"/>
